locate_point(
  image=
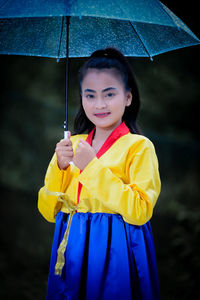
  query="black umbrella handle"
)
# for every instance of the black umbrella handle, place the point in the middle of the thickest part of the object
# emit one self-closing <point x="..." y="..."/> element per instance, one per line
<point x="67" y="18"/>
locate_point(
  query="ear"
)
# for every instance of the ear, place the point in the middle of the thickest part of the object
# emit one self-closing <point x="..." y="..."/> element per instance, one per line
<point x="128" y="98"/>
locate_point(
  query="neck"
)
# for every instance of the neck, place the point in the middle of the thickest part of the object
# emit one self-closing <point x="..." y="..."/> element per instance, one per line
<point x="103" y="133"/>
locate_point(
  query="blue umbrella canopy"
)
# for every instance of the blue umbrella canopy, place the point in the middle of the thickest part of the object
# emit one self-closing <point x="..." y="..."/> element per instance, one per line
<point x="139" y="28"/>
<point x="75" y="28"/>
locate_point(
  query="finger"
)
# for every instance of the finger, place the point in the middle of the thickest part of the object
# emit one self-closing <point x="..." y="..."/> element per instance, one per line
<point x="64" y="148"/>
<point x="83" y="143"/>
<point x="64" y="153"/>
<point x="64" y="143"/>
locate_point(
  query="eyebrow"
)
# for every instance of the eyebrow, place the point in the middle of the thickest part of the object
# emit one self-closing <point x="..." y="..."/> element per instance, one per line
<point x="103" y="91"/>
<point x="108" y="89"/>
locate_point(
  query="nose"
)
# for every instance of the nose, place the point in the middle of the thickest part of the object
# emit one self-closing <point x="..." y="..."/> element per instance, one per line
<point x="100" y="103"/>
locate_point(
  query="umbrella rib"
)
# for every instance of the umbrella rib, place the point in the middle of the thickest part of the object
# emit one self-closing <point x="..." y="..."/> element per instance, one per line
<point x="142" y="42"/>
<point x="169" y="14"/>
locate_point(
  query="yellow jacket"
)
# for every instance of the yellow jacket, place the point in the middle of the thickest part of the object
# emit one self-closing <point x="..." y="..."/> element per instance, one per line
<point x="124" y="180"/>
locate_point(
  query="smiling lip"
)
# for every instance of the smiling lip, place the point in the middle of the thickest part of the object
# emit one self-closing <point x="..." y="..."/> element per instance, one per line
<point x="102" y="115"/>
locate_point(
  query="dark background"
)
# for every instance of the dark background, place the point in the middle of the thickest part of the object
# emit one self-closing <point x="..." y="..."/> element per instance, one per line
<point x="32" y="112"/>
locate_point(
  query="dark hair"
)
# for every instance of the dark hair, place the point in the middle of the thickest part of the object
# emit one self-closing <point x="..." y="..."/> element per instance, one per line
<point x="107" y="59"/>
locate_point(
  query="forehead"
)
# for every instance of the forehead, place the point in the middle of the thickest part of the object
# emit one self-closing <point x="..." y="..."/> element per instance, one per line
<point x="102" y="76"/>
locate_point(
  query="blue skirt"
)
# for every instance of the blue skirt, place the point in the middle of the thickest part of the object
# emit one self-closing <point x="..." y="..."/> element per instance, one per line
<point x="106" y="258"/>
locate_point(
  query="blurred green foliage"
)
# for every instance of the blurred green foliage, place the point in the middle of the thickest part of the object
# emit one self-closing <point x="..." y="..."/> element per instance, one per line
<point x="32" y="114"/>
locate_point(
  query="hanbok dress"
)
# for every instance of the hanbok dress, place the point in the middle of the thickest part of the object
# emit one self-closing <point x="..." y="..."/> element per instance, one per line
<point x="110" y="251"/>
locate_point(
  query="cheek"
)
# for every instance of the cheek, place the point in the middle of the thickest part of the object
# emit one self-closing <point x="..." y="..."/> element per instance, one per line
<point x="86" y="106"/>
<point x="84" y="103"/>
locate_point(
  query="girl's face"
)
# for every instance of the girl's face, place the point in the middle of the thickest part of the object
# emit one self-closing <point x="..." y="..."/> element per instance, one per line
<point x="104" y="98"/>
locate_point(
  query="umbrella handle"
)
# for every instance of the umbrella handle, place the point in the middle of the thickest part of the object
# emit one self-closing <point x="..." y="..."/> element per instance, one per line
<point x="66" y="136"/>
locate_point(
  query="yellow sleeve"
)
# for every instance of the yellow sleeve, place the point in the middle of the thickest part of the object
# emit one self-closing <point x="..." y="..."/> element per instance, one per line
<point x="56" y="180"/>
<point x="135" y="199"/>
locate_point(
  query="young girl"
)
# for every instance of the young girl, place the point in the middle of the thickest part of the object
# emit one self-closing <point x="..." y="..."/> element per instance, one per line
<point x="103" y="201"/>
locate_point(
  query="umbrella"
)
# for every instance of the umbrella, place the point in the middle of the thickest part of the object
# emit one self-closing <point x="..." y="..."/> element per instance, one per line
<point x="75" y="28"/>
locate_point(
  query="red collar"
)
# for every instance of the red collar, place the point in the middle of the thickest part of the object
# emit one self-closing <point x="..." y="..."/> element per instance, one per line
<point x="119" y="131"/>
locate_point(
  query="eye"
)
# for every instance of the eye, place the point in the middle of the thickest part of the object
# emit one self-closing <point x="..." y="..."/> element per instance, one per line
<point x="110" y="95"/>
<point x="89" y="96"/>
